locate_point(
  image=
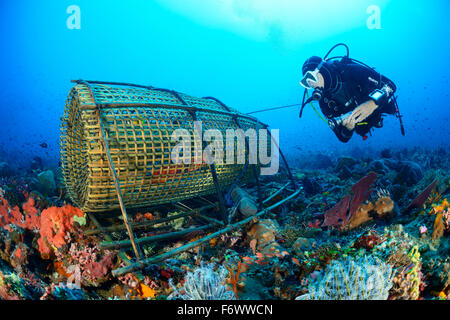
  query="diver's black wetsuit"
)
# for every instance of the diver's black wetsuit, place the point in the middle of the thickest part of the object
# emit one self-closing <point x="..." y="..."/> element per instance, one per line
<point x="353" y="85"/>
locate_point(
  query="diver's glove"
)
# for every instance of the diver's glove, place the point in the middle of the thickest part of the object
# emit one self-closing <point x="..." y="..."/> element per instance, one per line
<point x="342" y="132"/>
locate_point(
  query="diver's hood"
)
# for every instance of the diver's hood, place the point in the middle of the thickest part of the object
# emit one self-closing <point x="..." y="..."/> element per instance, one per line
<point x="311" y="64"/>
<point x="328" y="70"/>
<point x="330" y="75"/>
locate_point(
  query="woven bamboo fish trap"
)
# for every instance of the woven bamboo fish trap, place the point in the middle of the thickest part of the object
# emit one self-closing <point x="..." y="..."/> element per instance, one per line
<point x="137" y="124"/>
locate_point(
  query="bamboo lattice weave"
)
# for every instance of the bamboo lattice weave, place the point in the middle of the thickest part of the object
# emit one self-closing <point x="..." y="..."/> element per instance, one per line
<point x="138" y="124"/>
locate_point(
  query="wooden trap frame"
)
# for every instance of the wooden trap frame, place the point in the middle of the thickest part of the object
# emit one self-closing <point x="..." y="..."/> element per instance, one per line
<point x="115" y="153"/>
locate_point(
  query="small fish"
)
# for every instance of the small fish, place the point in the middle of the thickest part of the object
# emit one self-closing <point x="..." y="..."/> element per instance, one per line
<point x="44" y="145"/>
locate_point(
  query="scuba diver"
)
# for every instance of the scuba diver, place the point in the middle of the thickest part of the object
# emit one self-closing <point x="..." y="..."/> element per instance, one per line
<point x="352" y="96"/>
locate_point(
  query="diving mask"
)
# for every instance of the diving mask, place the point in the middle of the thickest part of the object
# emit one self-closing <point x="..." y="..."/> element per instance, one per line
<point x="311" y="77"/>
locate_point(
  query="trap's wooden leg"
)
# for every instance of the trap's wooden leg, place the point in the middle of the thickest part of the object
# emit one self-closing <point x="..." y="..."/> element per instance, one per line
<point x="135" y="246"/>
<point x="223" y="210"/>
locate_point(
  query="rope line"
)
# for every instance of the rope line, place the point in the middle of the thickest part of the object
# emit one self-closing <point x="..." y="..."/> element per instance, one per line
<point x="275" y="108"/>
<point x="290" y="106"/>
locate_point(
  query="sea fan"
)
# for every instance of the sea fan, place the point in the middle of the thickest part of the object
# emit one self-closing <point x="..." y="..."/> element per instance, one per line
<point x="364" y="278"/>
<point x="204" y="284"/>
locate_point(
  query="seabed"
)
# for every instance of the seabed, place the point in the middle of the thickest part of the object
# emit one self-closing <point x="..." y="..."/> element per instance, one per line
<point x="361" y="228"/>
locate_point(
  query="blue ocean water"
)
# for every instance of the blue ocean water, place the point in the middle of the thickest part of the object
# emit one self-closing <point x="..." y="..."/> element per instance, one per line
<point x="248" y="53"/>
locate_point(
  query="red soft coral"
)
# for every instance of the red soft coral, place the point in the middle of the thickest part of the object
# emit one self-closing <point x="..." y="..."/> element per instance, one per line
<point x="55" y="224"/>
<point x="32" y="218"/>
<point x="29" y="220"/>
<point x="10" y="215"/>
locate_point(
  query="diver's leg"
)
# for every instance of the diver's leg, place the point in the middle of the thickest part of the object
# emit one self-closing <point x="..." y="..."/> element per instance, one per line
<point x="379" y="123"/>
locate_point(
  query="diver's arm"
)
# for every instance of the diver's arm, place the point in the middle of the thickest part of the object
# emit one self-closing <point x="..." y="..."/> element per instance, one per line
<point x="364" y="110"/>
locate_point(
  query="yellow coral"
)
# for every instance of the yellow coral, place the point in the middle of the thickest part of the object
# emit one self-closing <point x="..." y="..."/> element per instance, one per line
<point x="146" y="292"/>
<point x="414" y="271"/>
<point x="444" y="205"/>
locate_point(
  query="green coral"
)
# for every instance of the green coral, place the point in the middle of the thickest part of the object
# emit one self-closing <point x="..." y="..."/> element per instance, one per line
<point x="176" y="223"/>
<point x="14" y="286"/>
<point x="80" y="220"/>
